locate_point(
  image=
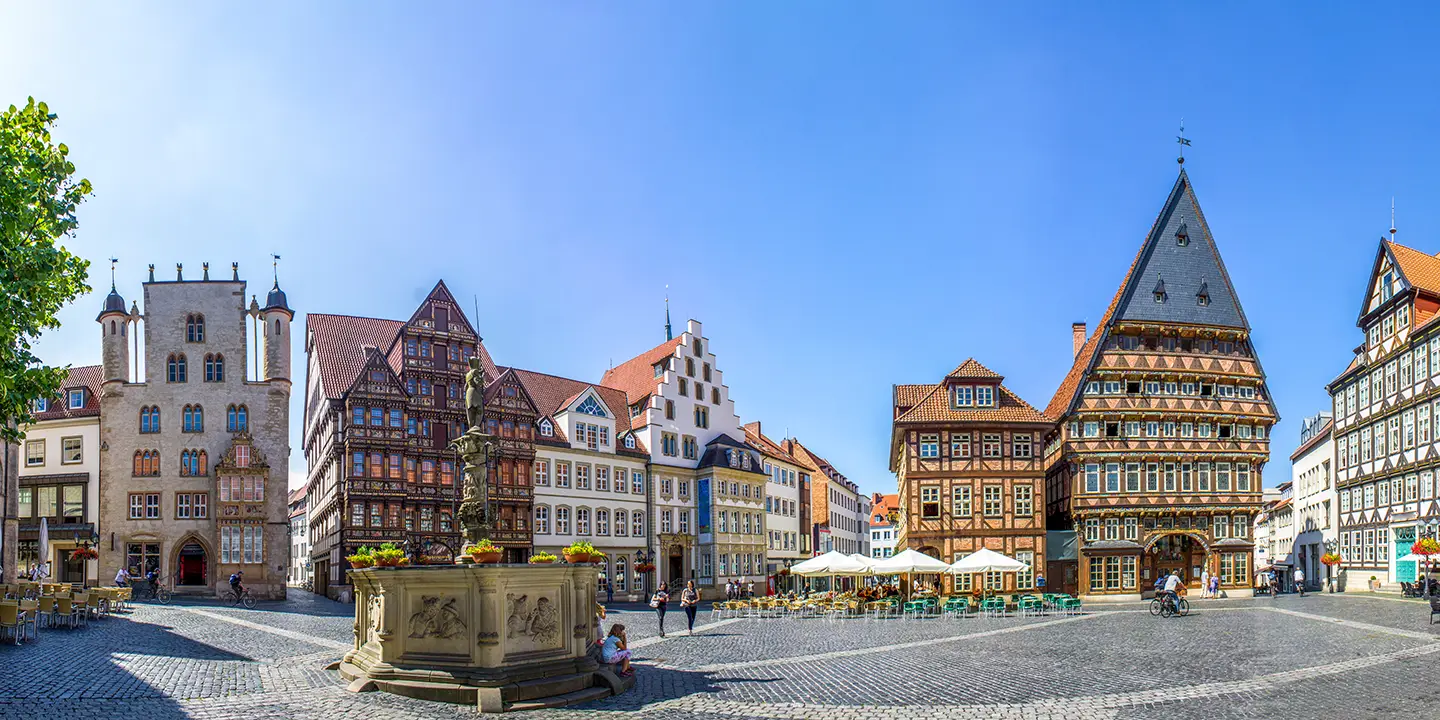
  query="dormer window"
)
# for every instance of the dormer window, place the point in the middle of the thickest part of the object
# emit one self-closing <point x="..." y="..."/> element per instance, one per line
<point x="964" y="396"/>
<point x="1202" y="298"/>
<point x="984" y="396"/>
<point x="630" y="442"/>
<point x="1182" y="236"/>
<point x="77" y="399"/>
<point x="546" y="429"/>
<point x="591" y="407"/>
<point x="659" y="369"/>
<point x="42" y="404"/>
<point x="1159" y="292"/>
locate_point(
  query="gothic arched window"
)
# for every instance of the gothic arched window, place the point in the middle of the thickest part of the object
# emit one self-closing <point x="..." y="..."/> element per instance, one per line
<point x="175" y="368"/>
<point x="195" y="328"/>
<point x="215" y="368"/>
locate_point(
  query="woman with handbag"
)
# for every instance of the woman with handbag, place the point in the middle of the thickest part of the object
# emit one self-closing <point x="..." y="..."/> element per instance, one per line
<point x="659" y="600"/>
<point x="690" y="601"/>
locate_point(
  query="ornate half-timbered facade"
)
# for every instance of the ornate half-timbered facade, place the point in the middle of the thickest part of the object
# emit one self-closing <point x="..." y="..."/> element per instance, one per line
<point x="383" y="400"/>
<point x="1385" y="404"/>
<point x="1164" y="420"/>
<point x="510" y="415"/>
<point x="966" y="453"/>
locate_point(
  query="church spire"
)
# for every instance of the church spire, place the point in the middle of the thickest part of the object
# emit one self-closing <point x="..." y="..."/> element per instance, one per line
<point x="669" y="335"/>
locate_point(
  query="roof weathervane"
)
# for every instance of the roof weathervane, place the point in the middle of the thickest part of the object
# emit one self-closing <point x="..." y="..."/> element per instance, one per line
<point x="116" y="260"/>
<point x="1182" y="141"/>
<point x="1392" y="218"/>
<point x="275" y="266"/>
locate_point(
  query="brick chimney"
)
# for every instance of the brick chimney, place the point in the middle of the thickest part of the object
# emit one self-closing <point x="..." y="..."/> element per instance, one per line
<point x="1077" y="337"/>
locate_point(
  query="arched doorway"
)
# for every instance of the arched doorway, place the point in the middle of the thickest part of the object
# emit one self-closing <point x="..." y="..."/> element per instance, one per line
<point x="676" y="567"/>
<point x="192" y="566"/>
<point x="1182" y="552"/>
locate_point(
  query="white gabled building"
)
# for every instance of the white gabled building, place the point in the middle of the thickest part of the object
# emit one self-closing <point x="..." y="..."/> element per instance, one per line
<point x="1312" y="487"/>
<point x="707" y="487"/>
<point x="589" y="476"/>
<point x="782" y="503"/>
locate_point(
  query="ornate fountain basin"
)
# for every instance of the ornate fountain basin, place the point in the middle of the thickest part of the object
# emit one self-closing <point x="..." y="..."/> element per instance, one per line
<point x="500" y="637"/>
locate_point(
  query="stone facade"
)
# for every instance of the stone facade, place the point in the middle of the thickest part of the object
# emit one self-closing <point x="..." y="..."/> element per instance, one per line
<point x="164" y="433"/>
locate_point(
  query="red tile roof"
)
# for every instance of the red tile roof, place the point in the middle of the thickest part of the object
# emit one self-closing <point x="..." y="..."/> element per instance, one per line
<point x="972" y="370"/>
<point x="553" y="393"/>
<point x="935" y="406"/>
<point x="636" y="376"/>
<point x="883" y="508"/>
<point x="1420" y="269"/>
<point x="85" y="376"/>
<point x="339" y="343"/>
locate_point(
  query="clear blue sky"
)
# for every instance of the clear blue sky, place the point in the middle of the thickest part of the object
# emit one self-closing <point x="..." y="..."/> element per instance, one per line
<point x="847" y="195"/>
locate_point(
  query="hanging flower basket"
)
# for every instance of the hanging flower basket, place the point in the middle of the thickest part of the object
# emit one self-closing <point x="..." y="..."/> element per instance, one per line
<point x="84" y="553"/>
<point x="644" y="567"/>
<point x="1330" y="559"/>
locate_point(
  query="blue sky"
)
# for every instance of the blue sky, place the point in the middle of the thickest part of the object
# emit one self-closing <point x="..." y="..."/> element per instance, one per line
<point x="847" y="195"/>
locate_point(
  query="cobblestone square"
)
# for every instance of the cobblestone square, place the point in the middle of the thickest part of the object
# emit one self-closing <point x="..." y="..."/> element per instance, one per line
<point x="1354" y="656"/>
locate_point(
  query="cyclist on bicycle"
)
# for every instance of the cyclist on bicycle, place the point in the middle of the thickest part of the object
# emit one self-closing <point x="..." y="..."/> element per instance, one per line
<point x="1172" y="587"/>
<point x="153" y="577"/>
<point x="235" y="583"/>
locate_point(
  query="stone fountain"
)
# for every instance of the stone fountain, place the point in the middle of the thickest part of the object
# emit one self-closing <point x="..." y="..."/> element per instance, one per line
<point x="499" y="637"/>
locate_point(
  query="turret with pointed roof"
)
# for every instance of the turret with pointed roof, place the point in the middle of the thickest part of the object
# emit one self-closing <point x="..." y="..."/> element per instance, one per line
<point x="1164" y="418"/>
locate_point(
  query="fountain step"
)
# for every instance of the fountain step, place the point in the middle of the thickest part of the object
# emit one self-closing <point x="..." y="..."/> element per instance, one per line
<point x="547" y="687"/>
<point x="554" y="701"/>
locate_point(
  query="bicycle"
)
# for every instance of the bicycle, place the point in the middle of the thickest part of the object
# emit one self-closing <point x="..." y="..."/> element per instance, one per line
<point x="1169" y="608"/>
<point x="237" y="599"/>
<point x="157" y="592"/>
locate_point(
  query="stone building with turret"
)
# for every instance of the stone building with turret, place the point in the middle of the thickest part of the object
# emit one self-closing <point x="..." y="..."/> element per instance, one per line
<point x="194" y="434"/>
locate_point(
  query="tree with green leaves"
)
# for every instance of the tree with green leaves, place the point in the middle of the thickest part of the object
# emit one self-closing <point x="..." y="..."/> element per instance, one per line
<point x="39" y="195"/>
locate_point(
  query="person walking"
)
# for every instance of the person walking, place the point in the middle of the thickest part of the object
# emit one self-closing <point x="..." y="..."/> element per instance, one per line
<point x="690" y="601"/>
<point x="750" y="589"/>
<point x="659" y="601"/>
<point x="729" y="590"/>
<point x="609" y="592"/>
<point x="1215" y="587"/>
<point x="1205" y="583"/>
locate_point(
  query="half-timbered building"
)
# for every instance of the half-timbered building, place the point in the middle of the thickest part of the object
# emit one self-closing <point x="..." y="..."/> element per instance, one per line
<point x="1385" y="404"/>
<point x="1164" y="420"/>
<point x="383" y="400"/>
<point x="966" y="452"/>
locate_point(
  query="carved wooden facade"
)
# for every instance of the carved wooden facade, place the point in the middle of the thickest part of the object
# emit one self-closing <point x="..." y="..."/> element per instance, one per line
<point x="1165" y="420"/>
<point x="970" y="475"/>
<point x="510" y="415"/>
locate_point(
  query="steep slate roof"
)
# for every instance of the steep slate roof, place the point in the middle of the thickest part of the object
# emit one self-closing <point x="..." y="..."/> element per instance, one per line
<point x="714" y="455"/>
<point x="636" y="376"/>
<point x="86" y="376"/>
<point x="1320" y="436"/>
<point x="1186" y="267"/>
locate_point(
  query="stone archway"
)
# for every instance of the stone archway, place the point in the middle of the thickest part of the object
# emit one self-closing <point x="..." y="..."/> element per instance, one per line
<point x="191" y="562"/>
<point x="1167" y="550"/>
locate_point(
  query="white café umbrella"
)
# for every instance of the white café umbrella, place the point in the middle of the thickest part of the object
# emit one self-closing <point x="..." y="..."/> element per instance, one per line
<point x="44" y="544"/>
<point x="819" y="565"/>
<point x="909" y="561"/>
<point x="1412" y="557"/>
<point x="987" y="560"/>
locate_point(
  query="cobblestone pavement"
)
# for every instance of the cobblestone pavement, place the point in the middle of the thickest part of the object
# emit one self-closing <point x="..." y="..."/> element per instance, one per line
<point x="1352" y="656"/>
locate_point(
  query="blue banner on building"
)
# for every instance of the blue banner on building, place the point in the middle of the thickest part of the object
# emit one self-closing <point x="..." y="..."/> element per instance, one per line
<point x="703" y="503"/>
